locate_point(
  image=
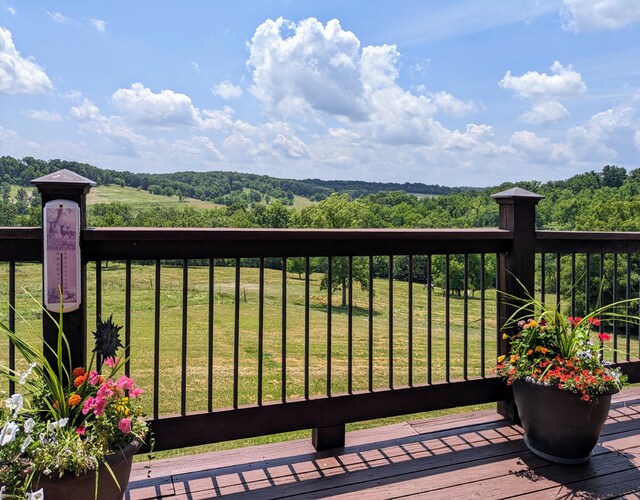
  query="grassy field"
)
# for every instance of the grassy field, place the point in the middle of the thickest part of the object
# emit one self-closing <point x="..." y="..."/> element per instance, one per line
<point x="140" y="199"/>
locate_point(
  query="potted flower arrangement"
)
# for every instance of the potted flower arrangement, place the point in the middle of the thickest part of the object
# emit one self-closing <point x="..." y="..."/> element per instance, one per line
<point x="69" y="432"/>
<point x="561" y="385"/>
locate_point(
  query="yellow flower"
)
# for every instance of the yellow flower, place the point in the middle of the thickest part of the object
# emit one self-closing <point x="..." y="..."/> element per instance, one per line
<point x="532" y="323"/>
<point x="514" y="357"/>
<point x="501" y="358"/>
<point x="505" y="336"/>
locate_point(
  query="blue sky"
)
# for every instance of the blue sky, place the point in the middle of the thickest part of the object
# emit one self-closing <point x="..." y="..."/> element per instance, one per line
<point x="472" y="92"/>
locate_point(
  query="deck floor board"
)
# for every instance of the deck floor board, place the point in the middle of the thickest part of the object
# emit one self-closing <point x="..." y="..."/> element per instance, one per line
<point x="474" y="455"/>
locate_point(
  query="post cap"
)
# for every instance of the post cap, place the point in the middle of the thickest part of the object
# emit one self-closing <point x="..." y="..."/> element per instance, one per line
<point x="517" y="193"/>
<point x="63" y="177"/>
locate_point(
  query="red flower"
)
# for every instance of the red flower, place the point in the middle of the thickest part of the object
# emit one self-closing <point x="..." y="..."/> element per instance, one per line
<point x="604" y="336"/>
<point x="574" y="321"/>
<point x="594" y="321"/>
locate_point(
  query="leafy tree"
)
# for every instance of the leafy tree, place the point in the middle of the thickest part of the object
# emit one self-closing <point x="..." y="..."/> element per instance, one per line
<point x="340" y="275"/>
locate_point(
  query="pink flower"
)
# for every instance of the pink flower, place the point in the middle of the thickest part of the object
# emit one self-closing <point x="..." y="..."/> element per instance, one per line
<point x="81" y="430"/>
<point x="105" y="390"/>
<point x="125" y="382"/>
<point x="125" y="425"/>
<point x="111" y="362"/>
<point x="94" y="377"/>
<point x="99" y="405"/>
<point x="134" y="393"/>
<point x="88" y="404"/>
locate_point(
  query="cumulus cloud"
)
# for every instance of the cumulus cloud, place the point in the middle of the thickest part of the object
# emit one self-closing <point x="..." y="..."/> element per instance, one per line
<point x="545" y="90"/>
<point x="582" y="16"/>
<point x="545" y="112"/>
<point x="17" y="74"/>
<point x="540" y="148"/>
<point x="166" y="108"/>
<point x="99" y="24"/>
<point x="227" y="90"/>
<point x="120" y="138"/>
<point x="308" y="69"/>
<point x="7" y="135"/>
<point x="42" y="115"/>
<point x="198" y="147"/>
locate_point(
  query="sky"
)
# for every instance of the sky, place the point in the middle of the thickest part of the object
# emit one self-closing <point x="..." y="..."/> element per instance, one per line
<point x="451" y="92"/>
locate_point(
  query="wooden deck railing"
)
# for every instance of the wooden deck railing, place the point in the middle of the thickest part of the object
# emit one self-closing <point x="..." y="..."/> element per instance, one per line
<point x="231" y="345"/>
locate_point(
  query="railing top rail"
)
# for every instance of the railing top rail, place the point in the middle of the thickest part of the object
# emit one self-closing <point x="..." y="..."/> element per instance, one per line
<point x="587" y="242"/>
<point x="194" y="243"/>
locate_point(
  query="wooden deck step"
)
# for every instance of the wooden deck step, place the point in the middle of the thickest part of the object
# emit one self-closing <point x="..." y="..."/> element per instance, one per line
<point x="473" y="455"/>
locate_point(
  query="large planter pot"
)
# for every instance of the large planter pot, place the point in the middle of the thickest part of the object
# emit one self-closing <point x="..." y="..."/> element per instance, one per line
<point x="70" y="486"/>
<point x="558" y="425"/>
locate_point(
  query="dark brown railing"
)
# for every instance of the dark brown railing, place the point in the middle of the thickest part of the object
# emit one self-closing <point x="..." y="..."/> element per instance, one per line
<point x="231" y="345"/>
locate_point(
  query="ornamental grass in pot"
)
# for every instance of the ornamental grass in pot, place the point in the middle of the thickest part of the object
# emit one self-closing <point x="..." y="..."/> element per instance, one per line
<point x="69" y="432"/>
<point x="561" y="383"/>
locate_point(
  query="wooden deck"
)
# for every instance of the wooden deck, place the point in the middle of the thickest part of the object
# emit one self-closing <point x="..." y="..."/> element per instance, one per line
<point x="473" y="455"/>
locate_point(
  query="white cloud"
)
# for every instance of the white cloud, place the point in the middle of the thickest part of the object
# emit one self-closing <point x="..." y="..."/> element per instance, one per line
<point x="545" y="90"/>
<point x="198" y="147"/>
<point x="120" y="138"/>
<point x="636" y="139"/>
<point x="599" y="15"/>
<point x="562" y="83"/>
<point x="99" y="24"/>
<point x="545" y="112"/>
<point x="7" y="135"/>
<point x="451" y="105"/>
<point x="43" y="115"/>
<point x="166" y="108"/>
<point x="195" y="66"/>
<point x="11" y="10"/>
<point x="540" y="148"/>
<point x="17" y="74"/>
<point x="227" y="90"/>
<point x="57" y="17"/>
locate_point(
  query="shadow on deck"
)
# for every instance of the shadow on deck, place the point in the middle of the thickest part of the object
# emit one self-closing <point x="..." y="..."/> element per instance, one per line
<point x="468" y="455"/>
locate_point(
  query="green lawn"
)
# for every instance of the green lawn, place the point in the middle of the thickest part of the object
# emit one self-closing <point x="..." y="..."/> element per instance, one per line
<point x="139" y="199"/>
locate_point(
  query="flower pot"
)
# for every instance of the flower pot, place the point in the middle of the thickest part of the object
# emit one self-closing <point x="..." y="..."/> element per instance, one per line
<point x="558" y="425"/>
<point x="83" y="486"/>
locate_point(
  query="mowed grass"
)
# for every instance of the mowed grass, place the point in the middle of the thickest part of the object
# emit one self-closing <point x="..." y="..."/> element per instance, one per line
<point x="139" y="199"/>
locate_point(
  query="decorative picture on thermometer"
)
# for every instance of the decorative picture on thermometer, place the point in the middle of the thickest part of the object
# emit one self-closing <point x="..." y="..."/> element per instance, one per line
<point x="62" y="255"/>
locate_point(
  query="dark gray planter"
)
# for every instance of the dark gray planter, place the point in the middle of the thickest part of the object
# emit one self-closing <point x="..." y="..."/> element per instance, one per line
<point x="558" y="425"/>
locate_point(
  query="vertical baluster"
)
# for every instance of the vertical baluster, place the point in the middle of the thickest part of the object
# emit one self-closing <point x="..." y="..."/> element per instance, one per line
<point x="236" y="335"/>
<point x="627" y="326"/>
<point x="260" y="328"/>
<point x="306" y="326"/>
<point x="600" y="297"/>
<point x="391" y="321"/>
<point x="370" y="323"/>
<point x="573" y="284"/>
<point x="156" y="345"/>
<point x="185" y="305"/>
<point x="482" y="316"/>
<point x="465" y="319"/>
<point x="350" y="329"/>
<point x="329" y="307"/>
<point x="12" y="321"/>
<point x="543" y="273"/>
<point x="615" y="299"/>
<point x="498" y="324"/>
<point x="410" y="321"/>
<point x="127" y="318"/>
<point x="284" y="331"/>
<point x="447" y="321"/>
<point x="558" y="293"/>
<point x="98" y="305"/>
<point x="429" y="320"/>
<point x="210" y="333"/>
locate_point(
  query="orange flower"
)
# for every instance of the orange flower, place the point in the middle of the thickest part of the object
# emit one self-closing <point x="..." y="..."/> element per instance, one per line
<point x="80" y="380"/>
<point x="79" y="372"/>
<point x="529" y="352"/>
<point x="74" y="400"/>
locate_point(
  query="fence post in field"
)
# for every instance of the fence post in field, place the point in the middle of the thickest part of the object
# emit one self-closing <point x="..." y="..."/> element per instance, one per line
<point x="516" y="275"/>
<point x="65" y="186"/>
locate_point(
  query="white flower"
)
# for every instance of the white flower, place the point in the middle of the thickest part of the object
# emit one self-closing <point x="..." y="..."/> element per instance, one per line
<point x="15" y="403"/>
<point x="36" y="495"/>
<point x="25" y="375"/>
<point x="58" y="424"/>
<point x="2" y="490"/>
<point x="29" y="425"/>
<point x="26" y="444"/>
<point x="8" y="433"/>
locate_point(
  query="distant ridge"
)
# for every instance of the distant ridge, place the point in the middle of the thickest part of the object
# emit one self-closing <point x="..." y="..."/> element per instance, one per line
<point x="220" y="187"/>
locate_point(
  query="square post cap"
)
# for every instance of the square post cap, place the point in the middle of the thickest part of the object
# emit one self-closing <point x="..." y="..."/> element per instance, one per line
<point x="63" y="180"/>
<point x="516" y="194"/>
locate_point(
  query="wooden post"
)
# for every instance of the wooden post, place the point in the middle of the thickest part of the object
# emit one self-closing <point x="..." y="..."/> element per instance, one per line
<point x="67" y="185"/>
<point x="516" y="276"/>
